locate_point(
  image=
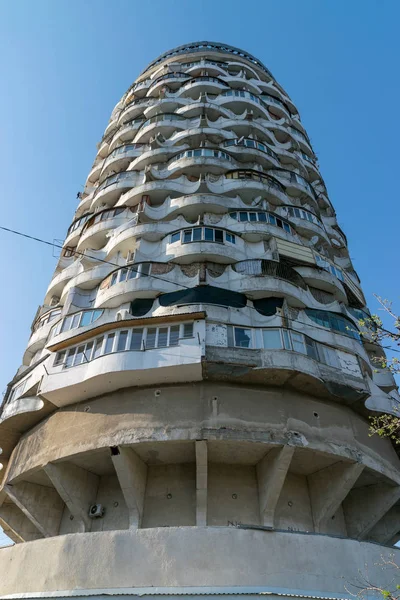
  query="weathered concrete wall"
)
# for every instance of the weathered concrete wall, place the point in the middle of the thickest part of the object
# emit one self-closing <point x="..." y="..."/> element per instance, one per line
<point x="192" y="556"/>
<point x="232" y="494"/>
<point x="170" y="498"/>
<point x="203" y="411"/>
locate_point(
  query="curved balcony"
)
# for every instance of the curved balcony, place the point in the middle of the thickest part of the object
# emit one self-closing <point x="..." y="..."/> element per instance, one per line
<point x="120" y="158"/>
<point x="294" y="183"/>
<point x="384" y="379"/>
<point x="276" y="106"/>
<point x="213" y="68"/>
<point x="238" y="81"/>
<point x="198" y="161"/>
<point x="254" y="226"/>
<point x="209" y="108"/>
<point x="204" y="244"/>
<point x="95" y="234"/>
<point x="140" y="88"/>
<point x="247" y="149"/>
<point x="88" y="279"/>
<point x="112" y="188"/>
<point x="126" y="133"/>
<point x="202" y="84"/>
<point x="192" y="206"/>
<point x="164" y="123"/>
<point x="134" y="109"/>
<point x="169" y="104"/>
<point x="301" y="139"/>
<point x="172" y="81"/>
<point x="248" y="183"/>
<point x="323" y="280"/>
<point x="239" y="101"/>
<point x="85" y="202"/>
<point x="240" y="128"/>
<point x="95" y="172"/>
<point x="58" y="282"/>
<point x="135" y="281"/>
<point x="159" y="191"/>
<point x="74" y="231"/>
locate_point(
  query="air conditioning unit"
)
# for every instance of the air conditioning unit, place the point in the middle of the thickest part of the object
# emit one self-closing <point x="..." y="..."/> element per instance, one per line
<point x="96" y="511"/>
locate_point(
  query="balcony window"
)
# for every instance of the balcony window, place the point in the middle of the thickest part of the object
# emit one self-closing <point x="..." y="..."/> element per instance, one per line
<point x="279" y="339"/>
<point x="333" y="321"/>
<point x="126" y="273"/>
<point x="255" y="176"/>
<point x="272" y="339"/>
<point x="202" y="234"/>
<point x="78" y="223"/>
<point x="81" y="319"/>
<point x="263" y="217"/>
<point x="134" y="339"/>
<point x="18" y="390"/>
<point x="250" y="143"/>
<point x="103" y="216"/>
<point x="299" y="213"/>
<point x="46" y="318"/>
<point x="328" y="266"/>
<point x="206" y="152"/>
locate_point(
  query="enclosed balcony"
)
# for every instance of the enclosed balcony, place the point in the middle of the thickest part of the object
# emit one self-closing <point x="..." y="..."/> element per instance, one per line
<point x="126" y="133"/>
<point x="120" y="158"/>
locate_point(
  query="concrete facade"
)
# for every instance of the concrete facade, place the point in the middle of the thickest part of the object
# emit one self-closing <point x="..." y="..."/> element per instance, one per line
<point x="191" y="414"/>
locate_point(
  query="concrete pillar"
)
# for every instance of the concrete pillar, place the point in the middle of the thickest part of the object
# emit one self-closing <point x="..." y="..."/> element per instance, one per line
<point x="40" y="504"/>
<point x="328" y="488"/>
<point x="271" y="474"/>
<point x="365" y="506"/>
<point x="201" y="483"/>
<point x="387" y="528"/>
<point x="132" y="477"/>
<point x="77" y="487"/>
<point x="16" y="525"/>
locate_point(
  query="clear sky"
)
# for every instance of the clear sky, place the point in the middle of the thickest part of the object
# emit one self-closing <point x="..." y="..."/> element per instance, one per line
<point x="65" y="63"/>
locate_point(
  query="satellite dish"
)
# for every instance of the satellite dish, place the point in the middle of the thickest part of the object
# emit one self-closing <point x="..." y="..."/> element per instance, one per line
<point x="314" y="240"/>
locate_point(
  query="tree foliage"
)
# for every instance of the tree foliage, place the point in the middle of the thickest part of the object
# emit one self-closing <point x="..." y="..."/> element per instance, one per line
<point x="374" y="330"/>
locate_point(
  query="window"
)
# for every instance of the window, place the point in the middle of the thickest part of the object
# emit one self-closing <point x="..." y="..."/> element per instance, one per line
<point x="207" y="234"/>
<point x="298" y="342"/>
<point x="333" y="321"/>
<point x="46" y="318"/>
<point x="327" y="266"/>
<point x="122" y="340"/>
<point x="272" y="339"/>
<point x="174" y="335"/>
<point x="109" y="343"/>
<point x="175" y="237"/>
<point x="311" y="348"/>
<point x="242" y="337"/>
<point x="136" y="339"/>
<point x="187" y="330"/>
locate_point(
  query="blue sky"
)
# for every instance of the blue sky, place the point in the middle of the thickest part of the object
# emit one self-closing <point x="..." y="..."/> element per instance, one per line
<point x="64" y="64"/>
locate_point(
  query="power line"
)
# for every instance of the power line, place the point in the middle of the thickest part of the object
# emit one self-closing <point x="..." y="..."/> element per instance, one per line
<point x="180" y="285"/>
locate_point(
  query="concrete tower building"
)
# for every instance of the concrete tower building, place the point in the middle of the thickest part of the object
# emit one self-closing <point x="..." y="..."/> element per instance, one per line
<point x="191" y="413"/>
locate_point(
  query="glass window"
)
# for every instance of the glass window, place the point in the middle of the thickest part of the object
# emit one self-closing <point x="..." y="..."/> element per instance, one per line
<point x="230" y="238"/>
<point x="286" y="227"/>
<point x="208" y="234"/>
<point x="59" y="358"/>
<point x="66" y="326"/>
<point x="286" y="339"/>
<point x="262" y="217"/>
<point x="114" y="278"/>
<point x="70" y="357"/>
<point x="328" y="356"/>
<point x="136" y="339"/>
<point x="174" y="335"/>
<point x="79" y="355"/>
<point x="109" y="343"/>
<point x="86" y="318"/>
<point x="272" y="339"/>
<point x="88" y="351"/>
<point x="175" y="237"/>
<point x="75" y="321"/>
<point x="311" y="348"/>
<point x="243" y="337"/>
<point x="187" y="330"/>
<point x="298" y="342"/>
<point x="133" y="273"/>
<point x="145" y="270"/>
<point x="162" y="337"/>
<point x="98" y="344"/>
<point x="122" y="340"/>
<point x="197" y="234"/>
<point x="219" y="236"/>
<point x="187" y="236"/>
<point x="272" y="219"/>
<point x="243" y="216"/>
<point x="151" y="337"/>
<point x="123" y="274"/>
